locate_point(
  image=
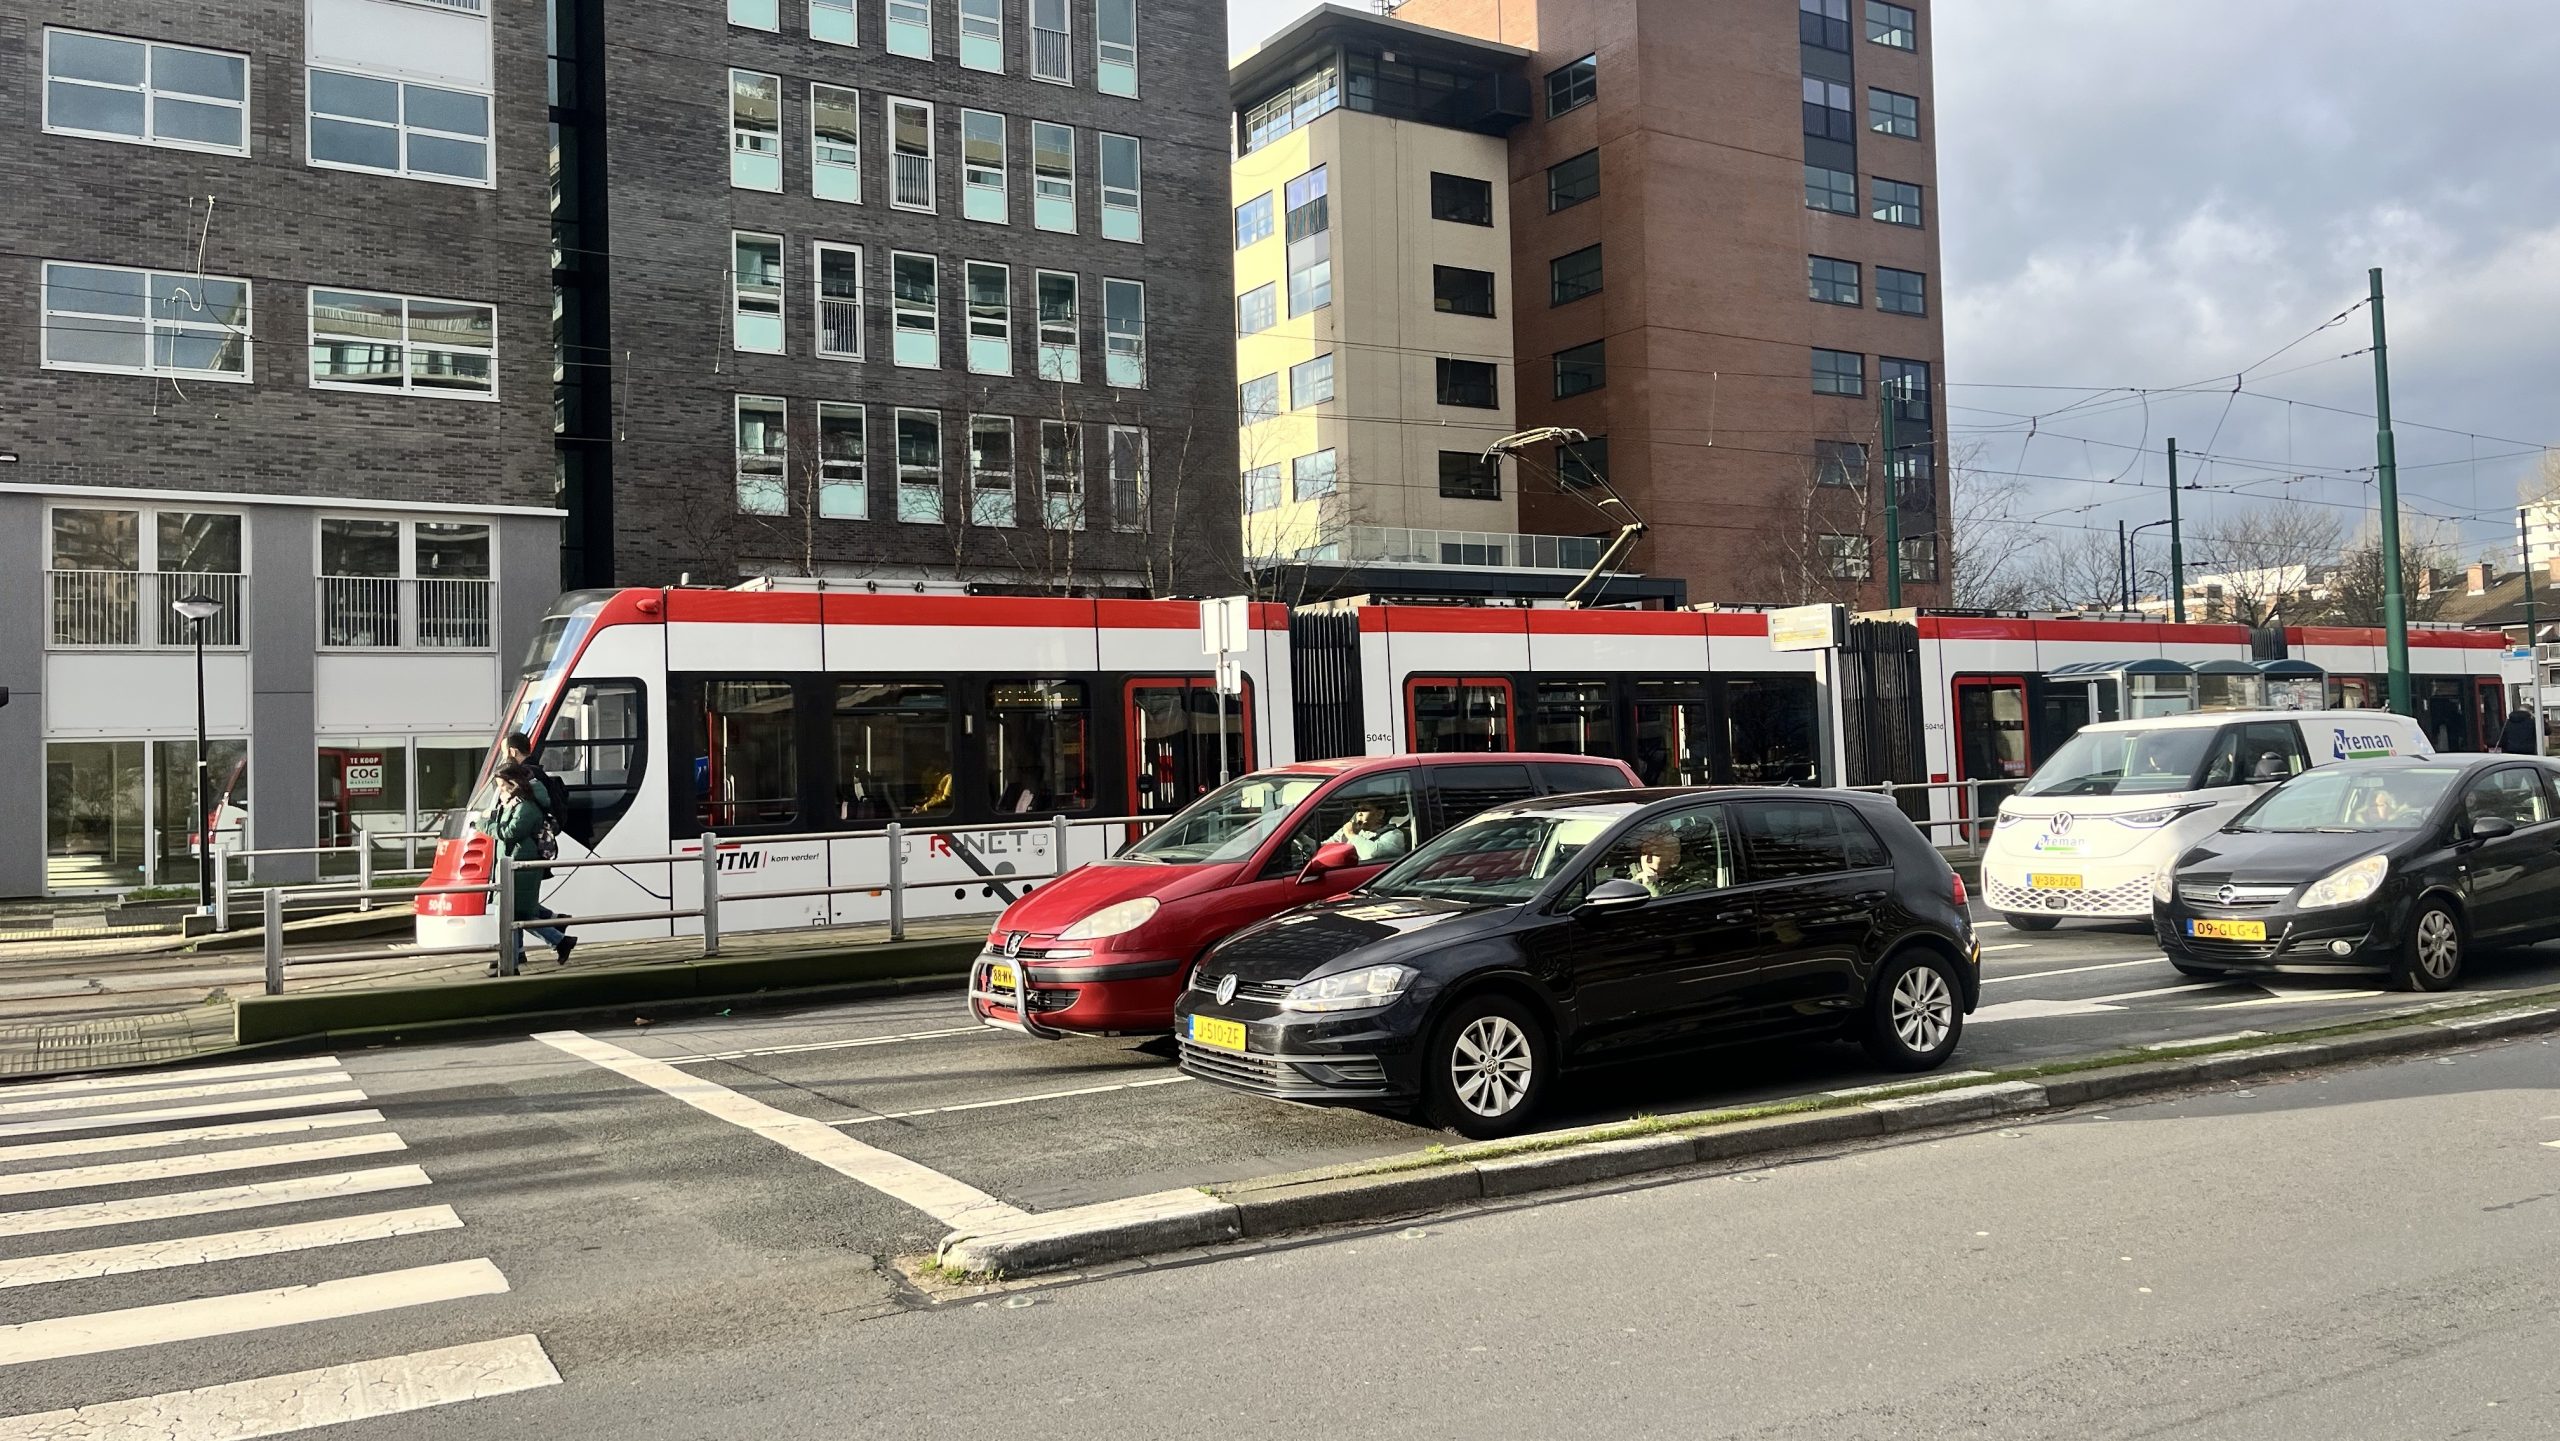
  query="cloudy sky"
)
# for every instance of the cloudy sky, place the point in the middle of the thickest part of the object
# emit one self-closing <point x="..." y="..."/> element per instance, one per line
<point x="2163" y="195"/>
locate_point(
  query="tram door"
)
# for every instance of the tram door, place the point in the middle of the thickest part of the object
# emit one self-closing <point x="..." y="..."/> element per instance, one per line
<point x="2489" y="711"/>
<point x="1991" y="738"/>
<point x="2062" y="708"/>
<point x="1174" y="736"/>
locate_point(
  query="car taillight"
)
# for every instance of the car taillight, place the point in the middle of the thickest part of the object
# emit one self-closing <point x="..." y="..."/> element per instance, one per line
<point x="1959" y="880"/>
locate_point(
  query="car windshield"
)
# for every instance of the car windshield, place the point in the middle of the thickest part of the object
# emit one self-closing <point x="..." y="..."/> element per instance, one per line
<point x="2346" y="800"/>
<point x="1499" y="858"/>
<point x="1226" y="824"/>
<point x="2125" y="762"/>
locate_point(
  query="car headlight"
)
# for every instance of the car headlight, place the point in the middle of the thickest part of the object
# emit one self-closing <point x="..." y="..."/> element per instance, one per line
<point x="2164" y="883"/>
<point x="1349" y="990"/>
<point x="2007" y="819"/>
<point x="2152" y="820"/>
<point x="2348" y="884"/>
<point x="1117" y="918"/>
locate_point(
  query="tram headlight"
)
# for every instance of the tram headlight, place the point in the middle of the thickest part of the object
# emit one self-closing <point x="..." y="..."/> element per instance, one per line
<point x="1117" y="918"/>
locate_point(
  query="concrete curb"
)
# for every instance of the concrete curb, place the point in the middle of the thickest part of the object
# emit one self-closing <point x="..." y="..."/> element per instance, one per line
<point x="1440" y="1179"/>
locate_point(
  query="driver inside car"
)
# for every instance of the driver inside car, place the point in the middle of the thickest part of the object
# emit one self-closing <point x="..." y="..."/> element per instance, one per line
<point x="1657" y="862"/>
<point x="1370" y="833"/>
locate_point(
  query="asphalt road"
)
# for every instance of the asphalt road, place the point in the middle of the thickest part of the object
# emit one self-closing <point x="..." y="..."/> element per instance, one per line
<point x="687" y="1271"/>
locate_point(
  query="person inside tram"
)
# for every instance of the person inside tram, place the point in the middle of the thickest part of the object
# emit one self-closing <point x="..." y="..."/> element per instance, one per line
<point x="1371" y="833"/>
<point x="1022" y="796"/>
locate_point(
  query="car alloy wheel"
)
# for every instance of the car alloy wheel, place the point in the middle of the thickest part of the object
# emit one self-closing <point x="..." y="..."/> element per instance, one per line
<point x="1915" y="1014"/>
<point x="2435" y="951"/>
<point x="1923" y="1009"/>
<point x="1491" y="1066"/>
<point x="1485" y="1071"/>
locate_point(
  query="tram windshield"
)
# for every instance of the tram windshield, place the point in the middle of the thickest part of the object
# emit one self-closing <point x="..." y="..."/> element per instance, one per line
<point x="546" y="660"/>
<point x="1225" y="825"/>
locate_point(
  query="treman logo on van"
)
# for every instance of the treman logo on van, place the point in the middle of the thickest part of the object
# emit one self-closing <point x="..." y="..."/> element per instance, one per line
<point x="2344" y="745"/>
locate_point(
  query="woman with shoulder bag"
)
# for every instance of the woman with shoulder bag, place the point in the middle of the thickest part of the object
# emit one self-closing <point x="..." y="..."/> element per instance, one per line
<point x="523" y="813"/>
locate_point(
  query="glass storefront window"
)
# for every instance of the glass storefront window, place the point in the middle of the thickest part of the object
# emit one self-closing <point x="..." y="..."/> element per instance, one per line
<point x="174" y="823"/>
<point x="364" y="796"/>
<point x="1038" y="734"/>
<point x="93" y="815"/>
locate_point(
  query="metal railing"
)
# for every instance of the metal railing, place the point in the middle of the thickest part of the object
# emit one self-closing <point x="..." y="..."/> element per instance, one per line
<point x="839" y="326"/>
<point x="1973" y="823"/>
<point x="132" y="608"/>
<point x="368" y="612"/>
<point x="1474" y="549"/>
<point x="911" y="180"/>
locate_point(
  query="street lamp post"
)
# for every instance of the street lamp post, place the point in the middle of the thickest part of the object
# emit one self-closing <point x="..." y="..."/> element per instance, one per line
<point x="199" y="608"/>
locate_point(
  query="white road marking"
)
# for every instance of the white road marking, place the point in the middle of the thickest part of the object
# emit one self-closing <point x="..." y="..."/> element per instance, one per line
<point x="2074" y="970"/>
<point x="247" y="1106"/>
<point x="2037" y="1010"/>
<point x="827" y="1045"/>
<point x="197" y="1203"/>
<point x="2293" y="998"/>
<point x="2007" y="946"/>
<point x="304" y="1400"/>
<point x="2185" y="1041"/>
<point x="954" y="1203"/>
<point x="147" y="1080"/>
<point x="203" y="1163"/>
<point x="93" y="1102"/>
<point x="1010" y="1101"/>
<point x="101" y="1331"/>
<point x="226" y="1246"/>
<point x="154" y="1140"/>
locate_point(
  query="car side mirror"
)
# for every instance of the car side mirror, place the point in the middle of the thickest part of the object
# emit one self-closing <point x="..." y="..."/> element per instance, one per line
<point x="1614" y="895"/>
<point x="2490" y="828"/>
<point x="1330" y="857"/>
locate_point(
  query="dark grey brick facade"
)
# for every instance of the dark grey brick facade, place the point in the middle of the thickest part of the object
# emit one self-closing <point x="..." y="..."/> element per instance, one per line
<point x="672" y="213"/>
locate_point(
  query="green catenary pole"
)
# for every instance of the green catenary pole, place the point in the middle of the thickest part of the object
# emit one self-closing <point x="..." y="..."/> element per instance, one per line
<point x="1892" y="502"/>
<point x="2177" y="545"/>
<point x="2395" y="610"/>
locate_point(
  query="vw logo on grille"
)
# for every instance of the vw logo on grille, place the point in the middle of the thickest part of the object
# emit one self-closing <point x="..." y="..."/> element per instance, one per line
<point x="1226" y="989"/>
<point x="2225" y="895"/>
<point x="2060" y="824"/>
<point x="1013" y="944"/>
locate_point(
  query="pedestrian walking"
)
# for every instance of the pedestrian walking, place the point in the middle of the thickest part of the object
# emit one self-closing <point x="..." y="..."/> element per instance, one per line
<point x="520" y="752"/>
<point x="523" y="816"/>
<point x="2518" y="739"/>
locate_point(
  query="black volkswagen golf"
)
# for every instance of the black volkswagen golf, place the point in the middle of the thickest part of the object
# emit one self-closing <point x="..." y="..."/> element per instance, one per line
<point x="2390" y="868"/>
<point x="1582" y="929"/>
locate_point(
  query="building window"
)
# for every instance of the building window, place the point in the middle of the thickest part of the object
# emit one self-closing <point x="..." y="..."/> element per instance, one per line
<point x="1126" y="454"/>
<point x="753" y="14"/>
<point x="1253" y="220"/>
<point x="910" y="155"/>
<point x="1310" y="243"/>
<point x="1920" y="557"/>
<point x="755" y="292"/>
<point x="763" y="486"/>
<point x="920" y="466"/>
<point x="1897" y="203"/>
<point x="1583" y="464"/>
<point x="1826" y="110"/>
<point x="1839" y="462"/>
<point x="835" y="143"/>
<point x="1311" y="476"/>
<point x="1061" y="350"/>
<point x="1257" y="310"/>
<point x="1570" y="87"/>
<point x="108" y="586"/>
<point x="1053" y="177"/>
<point x="403" y="343"/>
<point x="915" y="307"/>
<point x="1462" y="199"/>
<point x="990" y="302"/>
<point x="362" y="122"/>
<point x="1120" y="205"/>
<point x="1907" y="381"/>
<point x="1124" y="333"/>
<point x="1571" y="182"/>
<point x="1456" y="290"/>
<point x="990" y="470"/>
<point x="1465" y="475"/>
<point x="1052" y="57"/>
<point x="1315" y="94"/>
<point x="1584" y="367"/>
<point x="755" y="131"/>
<point x="982" y="35"/>
<point x="839" y="301"/>
<point x="1846" y="557"/>
<point x="910" y="30"/>
<point x="833" y="21"/>
<point x="1889" y="113"/>
<point x="843" y="493"/>
<point x="1833" y="282"/>
<point x="1571" y="277"/>
<point x="145" y="322"/>
<point x="1261" y="489"/>
<point x="982" y="184"/>
<point x="1115" y="46"/>
<point x="1258" y="399"/>
<point x="1892" y="25"/>
<point x="1832" y="190"/>
<point x="1311" y="382"/>
<point x="1904" y="292"/>
<point x="1823" y="24"/>
<point x="373" y="570"/>
<point x="1467" y="383"/>
<point x="1839" y="372"/>
<point x="105" y="88"/>
<point x="1061" y="475"/>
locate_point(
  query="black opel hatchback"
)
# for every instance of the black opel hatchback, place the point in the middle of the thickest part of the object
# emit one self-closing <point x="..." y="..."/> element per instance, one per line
<point x="2391" y="868"/>
<point x="1582" y="929"/>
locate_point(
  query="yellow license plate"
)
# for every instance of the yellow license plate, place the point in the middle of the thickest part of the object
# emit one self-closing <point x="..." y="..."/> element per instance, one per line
<point x="2228" y="930"/>
<point x="1000" y="977"/>
<point x="2053" y="881"/>
<point x="1225" y="1035"/>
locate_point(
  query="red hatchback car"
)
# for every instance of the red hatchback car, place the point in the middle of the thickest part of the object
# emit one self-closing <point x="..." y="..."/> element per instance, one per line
<point x="1108" y="947"/>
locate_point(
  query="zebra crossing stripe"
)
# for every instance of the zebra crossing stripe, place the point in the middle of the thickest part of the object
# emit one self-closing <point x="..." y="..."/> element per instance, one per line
<point x="97" y="1102"/>
<point x="247" y="1106"/>
<point x="203" y="1163"/>
<point x="101" y="1331"/>
<point x="154" y="1140"/>
<point x="304" y="1400"/>
<point x="227" y="1246"/>
<point x="197" y="1203"/>
<point x="149" y="1080"/>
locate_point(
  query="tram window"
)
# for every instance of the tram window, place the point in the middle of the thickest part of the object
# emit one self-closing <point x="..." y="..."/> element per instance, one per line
<point x="1174" y="726"/>
<point x="2445" y="716"/>
<point x="1675" y="734"/>
<point x="1460" y="715"/>
<point x="593" y="744"/>
<point x="1575" y="717"/>
<point x="748" y="771"/>
<point x="1991" y="730"/>
<point x="1769" y="730"/>
<point x="893" y="750"/>
<point x="1039" y="736"/>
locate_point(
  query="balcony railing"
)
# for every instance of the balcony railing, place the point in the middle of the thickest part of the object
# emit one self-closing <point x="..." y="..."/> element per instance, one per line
<point x="365" y="612"/>
<point x="839" y="327"/>
<point x="1472" y="549"/>
<point x="130" y="609"/>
